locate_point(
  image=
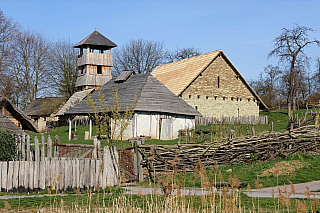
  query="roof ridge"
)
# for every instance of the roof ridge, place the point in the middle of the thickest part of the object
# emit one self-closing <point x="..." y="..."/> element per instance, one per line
<point x="192" y="58"/>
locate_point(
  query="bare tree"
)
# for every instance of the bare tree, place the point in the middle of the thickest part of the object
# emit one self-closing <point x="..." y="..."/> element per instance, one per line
<point x="183" y="53"/>
<point x="64" y="66"/>
<point x="8" y="29"/>
<point x="139" y="55"/>
<point x="267" y="85"/>
<point x="30" y="65"/>
<point x="289" y="47"/>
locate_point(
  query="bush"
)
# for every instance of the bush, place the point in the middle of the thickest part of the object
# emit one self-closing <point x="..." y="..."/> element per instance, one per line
<point x="8" y="146"/>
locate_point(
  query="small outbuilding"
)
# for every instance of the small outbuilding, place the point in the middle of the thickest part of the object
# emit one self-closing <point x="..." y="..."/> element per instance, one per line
<point x="13" y="119"/>
<point x="158" y="112"/>
<point x="42" y="111"/>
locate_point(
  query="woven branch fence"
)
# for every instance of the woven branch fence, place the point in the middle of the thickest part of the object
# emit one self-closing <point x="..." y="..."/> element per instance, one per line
<point x="264" y="146"/>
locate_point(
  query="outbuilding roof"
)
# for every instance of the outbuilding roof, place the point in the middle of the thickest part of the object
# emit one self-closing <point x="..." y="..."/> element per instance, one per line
<point x="147" y="92"/>
<point x="73" y="100"/>
<point x="96" y="41"/>
<point x="26" y="121"/>
<point x="6" y="124"/>
<point x="43" y="106"/>
<point x="177" y="76"/>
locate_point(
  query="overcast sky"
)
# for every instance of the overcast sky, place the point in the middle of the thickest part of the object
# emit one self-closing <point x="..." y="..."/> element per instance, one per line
<point x="244" y="30"/>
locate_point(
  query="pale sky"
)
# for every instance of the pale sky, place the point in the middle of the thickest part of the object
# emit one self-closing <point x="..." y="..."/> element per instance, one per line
<point x="244" y="30"/>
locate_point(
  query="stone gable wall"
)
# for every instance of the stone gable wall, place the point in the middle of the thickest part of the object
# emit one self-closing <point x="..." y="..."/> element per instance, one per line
<point x="230" y="99"/>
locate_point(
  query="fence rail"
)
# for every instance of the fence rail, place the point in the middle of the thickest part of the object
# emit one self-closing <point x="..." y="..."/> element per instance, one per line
<point x="232" y="120"/>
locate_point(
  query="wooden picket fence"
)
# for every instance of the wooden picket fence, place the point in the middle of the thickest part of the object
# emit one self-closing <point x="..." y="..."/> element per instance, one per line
<point x="232" y="120"/>
<point x="44" y="171"/>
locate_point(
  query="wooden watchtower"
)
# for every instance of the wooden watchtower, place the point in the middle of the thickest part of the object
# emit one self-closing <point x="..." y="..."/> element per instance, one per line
<point x="94" y="62"/>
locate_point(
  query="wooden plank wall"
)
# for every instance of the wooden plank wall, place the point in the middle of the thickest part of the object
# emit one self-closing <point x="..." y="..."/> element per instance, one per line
<point x="56" y="173"/>
<point x="232" y="120"/>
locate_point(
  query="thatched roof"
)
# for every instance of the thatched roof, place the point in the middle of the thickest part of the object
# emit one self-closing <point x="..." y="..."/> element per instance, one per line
<point x="96" y="41"/>
<point x="150" y="95"/>
<point x="43" y="107"/>
<point x="177" y="76"/>
<point x="26" y="121"/>
<point x="6" y="124"/>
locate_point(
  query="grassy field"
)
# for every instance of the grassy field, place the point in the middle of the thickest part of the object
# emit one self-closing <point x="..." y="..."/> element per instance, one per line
<point x="298" y="168"/>
<point x="279" y="118"/>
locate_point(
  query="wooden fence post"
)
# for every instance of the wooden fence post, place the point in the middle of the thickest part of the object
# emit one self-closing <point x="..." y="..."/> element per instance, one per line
<point x="253" y="132"/>
<point x="4" y="169"/>
<point x="271" y="126"/>
<point x="49" y="146"/>
<point x="28" y="148"/>
<point x="23" y="150"/>
<point x="56" y="147"/>
<point x="43" y="152"/>
<point x="94" y="152"/>
<point x="36" y="149"/>
<point x="70" y="129"/>
<point x="140" y="168"/>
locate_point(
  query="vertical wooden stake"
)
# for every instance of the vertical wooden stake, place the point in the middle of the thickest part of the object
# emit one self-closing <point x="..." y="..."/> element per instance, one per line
<point x="271" y="126"/>
<point x="211" y="133"/>
<point x="36" y="149"/>
<point x="253" y="132"/>
<point x="49" y="146"/>
<point x="90" y="129"/>
<point x="42" y="147"/>
<point x="69" y="129"/>
<point x="28" y="148"/>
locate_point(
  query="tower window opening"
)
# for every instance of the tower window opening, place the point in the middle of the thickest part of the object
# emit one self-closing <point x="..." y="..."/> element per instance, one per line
<point x="218" y="82"/>
<point x="99" y="69"/>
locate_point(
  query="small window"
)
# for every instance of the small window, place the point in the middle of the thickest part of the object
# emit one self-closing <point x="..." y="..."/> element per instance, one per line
<point x="196" y="107"/>
<point x="231" y="98"/>
<point x="249" y="99"/>
<point x="189" y="96"/>
<point x="207" y="97"/>
<point x="224" y="98"/>
<point x="237" y="99"/>
<point x="240" y="99"/>
<point x="218" y="82"/>
<point x="198" y="96"/>
<point x="99" y="69"/>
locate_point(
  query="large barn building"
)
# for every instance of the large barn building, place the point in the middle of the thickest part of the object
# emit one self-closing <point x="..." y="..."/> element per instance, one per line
<point x="210" y="84"/>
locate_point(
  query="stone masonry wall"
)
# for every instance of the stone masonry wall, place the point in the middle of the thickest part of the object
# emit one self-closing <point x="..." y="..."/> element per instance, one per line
<point x="218" y="92"/>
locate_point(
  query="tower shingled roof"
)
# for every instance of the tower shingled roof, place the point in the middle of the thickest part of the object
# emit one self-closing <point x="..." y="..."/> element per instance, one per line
<point x="95" y="40"/>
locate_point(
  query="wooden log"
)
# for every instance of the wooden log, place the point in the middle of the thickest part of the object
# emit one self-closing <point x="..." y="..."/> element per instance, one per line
<point x="56" y="148"/>
<point x="92" y="172"/>
<point x="42" y="174"/>
<point x="26" y="175"/>
<point x="10" y="176"/>
<point x="81" y="170"/>
<point x="28" y="148"/>
<point x="99" y="168"/>
<point x="36" y="176"/>
<point x="23" y="151"/>
<point x="49" y="146"/>
<point x="43" y="152"/>
<point x="36" y="149"/>
<point x="4" y="173"/>
<point x="95" y="143"/>
<point x="86" y="177"/>
<point x="15" y="178"/>
<point x="53" y="175"/>
<point x="104" y="170"/>
<point x="31" y="176"/>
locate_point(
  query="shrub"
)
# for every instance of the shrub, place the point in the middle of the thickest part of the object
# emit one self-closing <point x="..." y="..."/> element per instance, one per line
<point x="8" y="146"/>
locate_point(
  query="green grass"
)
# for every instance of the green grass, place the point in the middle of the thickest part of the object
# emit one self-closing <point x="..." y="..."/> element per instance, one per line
<point x="119" y="202"/>
<point x="249" y="173"/>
